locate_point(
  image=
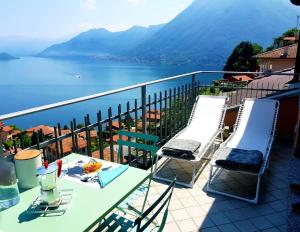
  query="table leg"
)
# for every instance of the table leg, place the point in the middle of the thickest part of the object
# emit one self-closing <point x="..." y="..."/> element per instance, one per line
<point x="146" y="196"/>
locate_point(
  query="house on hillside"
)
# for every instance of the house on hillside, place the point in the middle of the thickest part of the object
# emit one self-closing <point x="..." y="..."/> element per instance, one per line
<point x="48" y="131"/>
<point x="115" y="126"/>
<point x="67" y="147"/>
<point x="278" y="59"/>
<point x="8" y="133"/>
<point x="240" y="78"/>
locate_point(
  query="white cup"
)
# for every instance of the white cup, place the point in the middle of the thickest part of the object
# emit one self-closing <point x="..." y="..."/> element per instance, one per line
<point x="27" y="162"/>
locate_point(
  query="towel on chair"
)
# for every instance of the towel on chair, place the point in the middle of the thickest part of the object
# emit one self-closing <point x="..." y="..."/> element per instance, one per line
<point x="181" y="148"/>
<point x="239" y="159"/>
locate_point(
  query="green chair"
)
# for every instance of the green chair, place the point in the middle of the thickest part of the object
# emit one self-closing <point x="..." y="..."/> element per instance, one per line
<point x="145" y="219"/>
<point x="145" y="146"/>
<point x="146" y="143"/>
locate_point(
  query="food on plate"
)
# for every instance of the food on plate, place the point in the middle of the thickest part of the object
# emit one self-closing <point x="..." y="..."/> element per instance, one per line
<point x="91" y="167"/>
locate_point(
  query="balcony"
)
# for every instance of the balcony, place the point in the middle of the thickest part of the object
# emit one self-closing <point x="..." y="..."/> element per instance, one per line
<point x="164" y="114"/>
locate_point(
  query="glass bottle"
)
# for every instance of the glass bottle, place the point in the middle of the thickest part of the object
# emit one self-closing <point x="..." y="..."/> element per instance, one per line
<point x="9" y="191"/>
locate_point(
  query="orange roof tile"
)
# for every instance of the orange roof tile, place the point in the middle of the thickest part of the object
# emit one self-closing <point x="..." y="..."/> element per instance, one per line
<point x="68" y="145"/>
<point x="241" y="78"/>
<point x="47" y="130"/>
<point x="7" y="129"/>
<point x="16" y="132"/>
<point x="289" y="38"/>
<point x="279" y="53"/>
<point x="115" y="138"/>
<point x="152" y="116"/>
<point x="93" y="134"/>
<point x="106" y="154"/>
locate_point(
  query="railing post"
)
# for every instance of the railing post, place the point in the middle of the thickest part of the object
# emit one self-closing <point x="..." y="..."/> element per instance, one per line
<point x="144" y="128"/>
<point x="144" y="100"/>
<point x="193" y="86"/>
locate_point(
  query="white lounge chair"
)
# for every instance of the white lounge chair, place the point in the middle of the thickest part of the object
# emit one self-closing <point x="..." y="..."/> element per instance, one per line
<point x="253" y="133"/>
<point x="205" y="124"/>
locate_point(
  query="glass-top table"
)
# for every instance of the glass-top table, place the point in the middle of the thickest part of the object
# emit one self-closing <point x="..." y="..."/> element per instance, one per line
<point x="89" y="205"/>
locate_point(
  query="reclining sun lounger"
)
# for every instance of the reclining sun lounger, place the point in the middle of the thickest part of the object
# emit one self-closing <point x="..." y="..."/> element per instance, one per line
<point x="194" y="141"/>
<point x="248" y="148"/>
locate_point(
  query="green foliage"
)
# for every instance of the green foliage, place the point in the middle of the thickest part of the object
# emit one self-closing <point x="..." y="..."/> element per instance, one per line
<point x="15" y="127"/>
<point x="212" y="90"/>
<point x="241" y="59"/>
<point x="26" y="140"/>
<point x="79" y="125"/>
<point x="128" y="121"/>
<point x="279" y="42"/>
<point x="66" y="127"/>
<point x="8" y="144"/>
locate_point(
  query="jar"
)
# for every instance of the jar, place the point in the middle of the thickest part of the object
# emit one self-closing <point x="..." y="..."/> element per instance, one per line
<point x="9" y="191"/>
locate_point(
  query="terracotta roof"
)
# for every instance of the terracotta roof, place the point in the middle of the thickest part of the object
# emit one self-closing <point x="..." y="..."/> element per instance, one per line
<point x="241" y="78"/>
<point x="67" y="131"/>
<point x="279" y="53"/>
<point x="289" y="38"/>
<point x="7" y="129"/>
<point x="115" y="138"/>
<point x="93" y="134"/>
<point x="115" y="124"/>
<point x="47" y="130"/>
<point x="152" y="116"/>
<point x="106" y="154"/>
<point x="16" y="132"/>
<point x="68" y="145"/>
<point x="139" y="125"/>
<point x="269" y="82"/>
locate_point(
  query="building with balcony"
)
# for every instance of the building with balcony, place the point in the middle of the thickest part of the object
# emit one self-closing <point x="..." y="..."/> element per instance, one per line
<point x="277" y="59"/>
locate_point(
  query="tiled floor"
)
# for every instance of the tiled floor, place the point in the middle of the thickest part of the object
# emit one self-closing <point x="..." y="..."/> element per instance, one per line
<point x="195" y="210"/>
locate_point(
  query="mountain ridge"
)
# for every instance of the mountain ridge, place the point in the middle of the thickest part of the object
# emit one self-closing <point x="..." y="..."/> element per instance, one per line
<point x="204" y="33"/>
<point x="101" y="42"/>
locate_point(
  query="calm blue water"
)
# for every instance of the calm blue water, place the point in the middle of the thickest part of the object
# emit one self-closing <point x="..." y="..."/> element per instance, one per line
<point x="30" y="82"/>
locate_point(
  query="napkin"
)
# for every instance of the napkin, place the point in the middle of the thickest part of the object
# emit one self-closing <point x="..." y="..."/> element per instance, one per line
<point x="105" y="177"/>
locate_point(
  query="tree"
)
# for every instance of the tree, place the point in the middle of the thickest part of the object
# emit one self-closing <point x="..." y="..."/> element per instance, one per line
<point x="241" y="59"/>
<point x="280" y="42"/>
<point x="79" y="125"/>
<point x="26" y="140"/>
<point x="37" y="136"/>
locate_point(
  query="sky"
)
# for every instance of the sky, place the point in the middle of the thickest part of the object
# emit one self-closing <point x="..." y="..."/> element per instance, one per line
<point x="54" y="19"/>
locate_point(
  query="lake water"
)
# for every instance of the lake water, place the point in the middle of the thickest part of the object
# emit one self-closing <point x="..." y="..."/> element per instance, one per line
<point x="30" y="82"/>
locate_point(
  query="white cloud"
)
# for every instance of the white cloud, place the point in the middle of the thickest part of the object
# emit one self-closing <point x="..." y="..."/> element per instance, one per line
<point x="89" y="4"/>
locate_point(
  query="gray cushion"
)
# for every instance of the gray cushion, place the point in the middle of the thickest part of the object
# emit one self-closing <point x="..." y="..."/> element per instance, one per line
<point x="181" y="148"/>
<point x="239" y="159"/>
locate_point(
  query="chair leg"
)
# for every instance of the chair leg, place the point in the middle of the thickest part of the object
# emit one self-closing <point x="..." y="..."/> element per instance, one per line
<point x="194" y="174"/>
<point x="253" y="201"/>
<point x="146" y="196"/>
<point x="155" y="166"/>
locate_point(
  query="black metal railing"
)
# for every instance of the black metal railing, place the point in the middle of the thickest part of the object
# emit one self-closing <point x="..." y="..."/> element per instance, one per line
<point x="163" y="114"/>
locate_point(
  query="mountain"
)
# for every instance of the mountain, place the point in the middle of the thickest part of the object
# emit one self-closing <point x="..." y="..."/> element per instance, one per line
<point x="208" y="30"/>
<point x="25" y="46"/>
<point x="102" y="43"/>
<point x="6" y="56"/>
<point x="203" y="34"/>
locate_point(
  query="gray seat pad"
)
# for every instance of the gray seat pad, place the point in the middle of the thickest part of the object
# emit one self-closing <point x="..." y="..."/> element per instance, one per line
<point x="239" y="159"/>
<point x="181" y="148"/>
